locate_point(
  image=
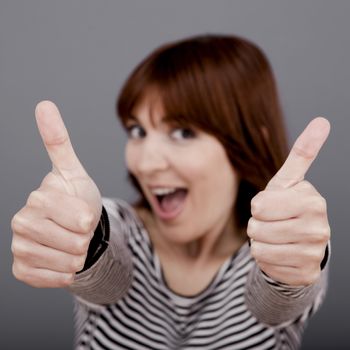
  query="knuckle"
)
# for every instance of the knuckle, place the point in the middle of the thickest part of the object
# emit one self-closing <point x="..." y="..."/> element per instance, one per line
<point x="309" y="277"/>
<point x="320" y="254"/>
<point x="319" y="204"/>
<point x="255" y="229"/>
<point x="36" y="199"/>
<point x="15" y="271"/>
<point x="251" y="228"/>
<point x="18" y="223"/>
<point x="325" y="233"/>
<point x="20" y="272"/>
<point x="256" y="204"/>
<point x="65" y="281"/>
<point x="14" y="247"/>
<point x="81" y="245"/>
<point x="77" y="263"/>
<point x="18" y="249"/>
<point x="86" y="220"/>
<point x="15" y="222"/>
<point x="322" y="206"/>
<point x="314" y="255"/>
<point x="318" y="232"/>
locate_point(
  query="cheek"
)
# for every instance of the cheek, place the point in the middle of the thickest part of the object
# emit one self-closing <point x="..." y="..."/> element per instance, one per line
<point x="130" y="158"/>
<point x="190" y="166"/>
<point x="215" y="179"/>
<point x="227" y="182"/>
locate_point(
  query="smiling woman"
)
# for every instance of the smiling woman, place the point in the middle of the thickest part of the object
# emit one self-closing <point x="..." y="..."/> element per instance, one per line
<point x="163" y="161"/>
<point x="206" y="150"/>
<point x="224" y="86"/>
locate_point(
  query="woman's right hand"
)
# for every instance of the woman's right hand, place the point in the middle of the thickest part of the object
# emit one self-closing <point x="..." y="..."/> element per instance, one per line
<point x="52" y="232"/>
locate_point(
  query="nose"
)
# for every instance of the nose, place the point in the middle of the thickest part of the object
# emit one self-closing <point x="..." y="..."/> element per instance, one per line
<point x="152" y="156"/>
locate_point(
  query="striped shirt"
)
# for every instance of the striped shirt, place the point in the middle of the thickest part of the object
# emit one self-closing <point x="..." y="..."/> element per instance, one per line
<point x="123" y="301"/>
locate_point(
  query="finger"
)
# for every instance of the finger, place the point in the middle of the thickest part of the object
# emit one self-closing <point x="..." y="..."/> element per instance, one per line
<point x="302" y="154"/>
<point x="291" y="276"/>
<point x="274" y="232"/>
<point x="292" y="255"/>
<point x="47" y="233"/>
<point x="36" y="255"/>
<point x="288" y="231"/>
<point x="62" y="209"/>
<point x="41" y="278"/>
<point x="56" y="140"/>
<point x="285" y="204"/>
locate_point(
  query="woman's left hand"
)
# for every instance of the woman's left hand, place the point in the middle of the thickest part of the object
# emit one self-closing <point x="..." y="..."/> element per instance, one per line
<point x="289" y="228"/>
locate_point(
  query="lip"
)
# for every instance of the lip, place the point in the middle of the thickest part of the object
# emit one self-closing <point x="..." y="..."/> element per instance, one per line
<point x="158" y="210"/>
<point x="151" y="187"/>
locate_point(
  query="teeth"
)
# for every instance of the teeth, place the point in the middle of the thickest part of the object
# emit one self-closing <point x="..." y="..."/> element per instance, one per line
<point x="163" y="191"/>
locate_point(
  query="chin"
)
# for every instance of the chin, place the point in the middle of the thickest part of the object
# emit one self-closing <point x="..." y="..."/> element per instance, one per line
<point x="180" y="234"/>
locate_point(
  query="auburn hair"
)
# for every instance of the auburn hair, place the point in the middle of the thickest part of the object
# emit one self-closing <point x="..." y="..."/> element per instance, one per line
<point x="222" y="85"/>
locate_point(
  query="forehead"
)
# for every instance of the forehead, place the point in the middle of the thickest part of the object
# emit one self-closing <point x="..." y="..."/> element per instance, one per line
<point x="157" y="106"/>
<point x="150" y="110"/>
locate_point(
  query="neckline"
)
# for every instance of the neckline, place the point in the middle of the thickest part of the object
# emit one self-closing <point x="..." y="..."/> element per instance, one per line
<point x="211" y="285"/>
<point x="160" y="274"/>
<point x="200" y="294"/>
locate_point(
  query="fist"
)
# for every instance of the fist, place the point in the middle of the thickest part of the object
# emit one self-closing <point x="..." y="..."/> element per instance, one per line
<point x="289" y="228"/>
<point x="52" y="232"/>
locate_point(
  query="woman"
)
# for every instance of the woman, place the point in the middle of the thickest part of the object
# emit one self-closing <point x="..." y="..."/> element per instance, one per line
<point x="205" y="151"/>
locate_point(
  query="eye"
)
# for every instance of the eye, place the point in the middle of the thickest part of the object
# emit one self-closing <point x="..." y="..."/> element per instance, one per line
<point x="135" y="131"/>
<point x="183" y="133"/>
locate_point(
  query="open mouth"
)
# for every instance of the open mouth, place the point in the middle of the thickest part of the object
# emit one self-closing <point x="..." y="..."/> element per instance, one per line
<point x="170" y="201"/>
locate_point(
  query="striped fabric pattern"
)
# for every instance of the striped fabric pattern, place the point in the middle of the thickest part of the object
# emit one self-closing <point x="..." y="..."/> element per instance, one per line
<point x="150" y="316"/>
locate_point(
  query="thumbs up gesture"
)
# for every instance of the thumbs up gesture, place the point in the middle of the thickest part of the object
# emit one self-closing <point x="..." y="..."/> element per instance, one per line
<point x="52" y="232"/>
<point x="289" y="228"/>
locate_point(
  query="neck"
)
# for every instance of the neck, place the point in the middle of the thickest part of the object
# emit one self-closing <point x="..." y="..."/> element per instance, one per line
<point x="213" y="243"/>
<point x="218" y="243"/>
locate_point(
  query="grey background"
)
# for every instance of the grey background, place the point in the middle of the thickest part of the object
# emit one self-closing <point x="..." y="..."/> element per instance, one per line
<point x="78" y="53"/>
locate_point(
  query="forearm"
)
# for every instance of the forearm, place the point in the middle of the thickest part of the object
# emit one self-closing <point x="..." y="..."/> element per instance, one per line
<point x="277" y="304"/>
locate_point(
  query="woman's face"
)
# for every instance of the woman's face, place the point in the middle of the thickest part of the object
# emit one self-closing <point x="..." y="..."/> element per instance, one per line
<point x="184" y="173"/>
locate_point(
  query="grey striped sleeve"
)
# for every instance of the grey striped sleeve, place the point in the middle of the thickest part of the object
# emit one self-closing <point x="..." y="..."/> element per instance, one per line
<point x="277" y="304"/>
<point x="110" y="277"/>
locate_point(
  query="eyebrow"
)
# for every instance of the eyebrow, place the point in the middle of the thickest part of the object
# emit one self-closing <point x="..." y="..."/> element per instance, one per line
<point x="163" y="119"/>
<point x="130" y="117"/>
